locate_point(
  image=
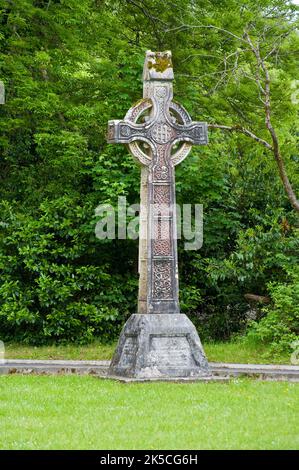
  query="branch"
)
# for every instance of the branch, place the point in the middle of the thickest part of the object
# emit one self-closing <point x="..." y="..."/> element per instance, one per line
<point x="262" y="299"/>
<point x="261" y="65"/>
<point x="277" y="43"/>
<point x="242" y="130"/>
<point x="185" y="27"/>
<point x="262" y="80"/>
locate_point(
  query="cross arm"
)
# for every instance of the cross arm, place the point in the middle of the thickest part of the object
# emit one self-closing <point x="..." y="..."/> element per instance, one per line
<point x="125" y="132"/>
<point x="195" y="133"/>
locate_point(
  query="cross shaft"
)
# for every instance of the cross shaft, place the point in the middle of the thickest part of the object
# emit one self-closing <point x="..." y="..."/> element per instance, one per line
<point x="152" y="143"/>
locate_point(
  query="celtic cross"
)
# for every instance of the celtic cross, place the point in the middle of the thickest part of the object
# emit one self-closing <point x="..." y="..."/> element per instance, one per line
<point x="159" y="134"/>
<point x="2" y="92"/>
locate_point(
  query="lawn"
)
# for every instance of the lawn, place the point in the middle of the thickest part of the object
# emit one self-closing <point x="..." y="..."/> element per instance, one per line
<point x="217" y="352"/>
<point x="72" y="412"/>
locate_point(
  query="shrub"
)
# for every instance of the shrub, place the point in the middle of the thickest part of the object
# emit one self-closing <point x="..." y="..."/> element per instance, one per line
<point x="56" y="283"/>
<point x="280" y="325"/>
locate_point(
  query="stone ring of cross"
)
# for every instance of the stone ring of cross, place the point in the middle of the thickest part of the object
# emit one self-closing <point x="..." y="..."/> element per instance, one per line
<point x="158" y="131"/>
<point x="145" y="111"/>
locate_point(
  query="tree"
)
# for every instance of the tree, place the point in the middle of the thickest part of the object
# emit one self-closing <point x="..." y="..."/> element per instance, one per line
<point x="260" y="42"/>
<point x="68" y="68"/>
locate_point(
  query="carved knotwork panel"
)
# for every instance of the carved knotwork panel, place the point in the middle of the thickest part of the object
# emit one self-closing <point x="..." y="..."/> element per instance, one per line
<point x="161" y="241"/>
<point x="161" y="194"/>
<point x="125" y="131"/>
<point x="161" y="200"/>
<point x="162" y="284"/>
<point x="162" y="133"/>
<point x="161" y="166"/>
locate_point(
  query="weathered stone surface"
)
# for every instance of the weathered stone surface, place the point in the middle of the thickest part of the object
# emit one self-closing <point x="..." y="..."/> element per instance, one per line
<point x="142" y="262"/>
<point x="159" y="345"/>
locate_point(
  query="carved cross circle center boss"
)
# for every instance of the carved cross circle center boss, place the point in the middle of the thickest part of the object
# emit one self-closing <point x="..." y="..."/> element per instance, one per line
<point x="150" y="129"/>
<point x="161" y="133"/>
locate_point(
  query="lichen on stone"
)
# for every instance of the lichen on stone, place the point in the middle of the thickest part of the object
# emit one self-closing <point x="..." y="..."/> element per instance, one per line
<point x="161" y="62"/>
<point x="139" y="102"/>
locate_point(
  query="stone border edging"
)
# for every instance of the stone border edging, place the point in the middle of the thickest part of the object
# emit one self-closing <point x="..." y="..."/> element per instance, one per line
<point x="100" y="368"/>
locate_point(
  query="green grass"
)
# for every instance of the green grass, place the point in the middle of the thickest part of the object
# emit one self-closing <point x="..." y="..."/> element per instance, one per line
<point x="83" y="412"/>
<point x="243" y="352"/>
<point x="93" y="351"/>
<point x="216" y="352"/>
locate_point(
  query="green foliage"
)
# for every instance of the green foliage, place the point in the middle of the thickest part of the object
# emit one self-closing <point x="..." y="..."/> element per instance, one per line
<point x="56" y="283"/>
<point x="280" y="325"/>
<point x="68" y="68"/>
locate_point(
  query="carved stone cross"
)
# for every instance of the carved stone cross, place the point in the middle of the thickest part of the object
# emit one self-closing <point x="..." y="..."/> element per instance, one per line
<point x="167" y="126"/>
<point x="2" y="92"/>
<point x="159" y="134"/>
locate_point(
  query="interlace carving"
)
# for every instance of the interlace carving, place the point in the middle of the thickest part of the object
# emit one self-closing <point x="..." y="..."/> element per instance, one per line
<point x="162" y="288"/>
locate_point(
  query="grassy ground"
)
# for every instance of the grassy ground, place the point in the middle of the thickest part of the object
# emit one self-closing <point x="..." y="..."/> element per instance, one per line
<point x="216" y="352"/>
<point x="72" y="412"/>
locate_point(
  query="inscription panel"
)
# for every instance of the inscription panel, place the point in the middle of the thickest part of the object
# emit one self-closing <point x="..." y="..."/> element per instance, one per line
<point x="171" y="351"/>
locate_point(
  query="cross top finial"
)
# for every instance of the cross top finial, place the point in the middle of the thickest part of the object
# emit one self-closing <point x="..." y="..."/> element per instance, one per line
<point x="158" y="66"/>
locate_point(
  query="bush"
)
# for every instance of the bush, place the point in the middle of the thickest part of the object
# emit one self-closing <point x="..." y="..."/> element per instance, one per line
<point x="262" y="256"/>
<point x="280" y="325"/>
<point x="56" y="283"/>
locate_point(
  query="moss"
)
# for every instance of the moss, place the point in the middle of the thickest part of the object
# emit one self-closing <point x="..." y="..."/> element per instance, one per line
<point x="137" y="102"/>
<point x="162" y="62"/>
<point x="140" y="101"/>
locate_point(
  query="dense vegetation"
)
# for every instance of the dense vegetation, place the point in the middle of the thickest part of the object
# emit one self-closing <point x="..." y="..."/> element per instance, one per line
<point x="69" y="67"/>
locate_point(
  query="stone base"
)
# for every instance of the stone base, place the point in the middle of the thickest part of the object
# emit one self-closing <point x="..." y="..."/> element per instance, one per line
<point x="159" y="346"/>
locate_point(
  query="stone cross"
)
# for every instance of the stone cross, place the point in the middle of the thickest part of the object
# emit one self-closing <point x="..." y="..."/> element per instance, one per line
<point x="159" y="133"/>
<point x="152" y="143"/>
<point x="2" y="92"/>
